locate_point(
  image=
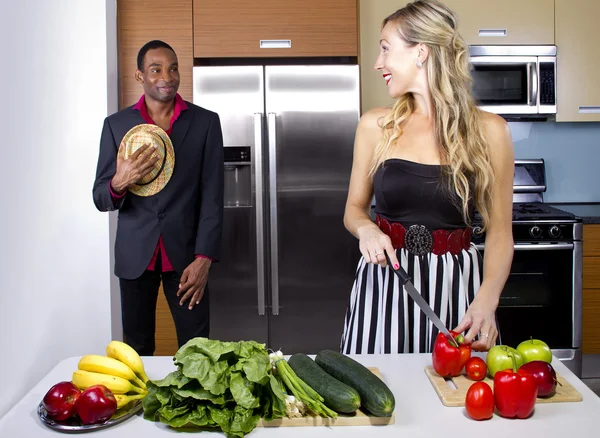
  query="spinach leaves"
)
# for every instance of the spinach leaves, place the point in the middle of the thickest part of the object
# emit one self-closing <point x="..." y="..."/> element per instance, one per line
<point x="228" y="385"/>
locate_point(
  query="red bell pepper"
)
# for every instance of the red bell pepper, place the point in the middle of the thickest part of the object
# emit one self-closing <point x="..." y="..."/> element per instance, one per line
<point x="448" y="360"/>
<point x="515" y="392"/>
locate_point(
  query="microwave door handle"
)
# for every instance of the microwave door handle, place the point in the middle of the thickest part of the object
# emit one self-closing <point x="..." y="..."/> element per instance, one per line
<point x="528" y="72"/>
<point x="532" y="84"/>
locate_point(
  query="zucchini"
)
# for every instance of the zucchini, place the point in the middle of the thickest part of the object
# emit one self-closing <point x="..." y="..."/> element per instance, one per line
<point x="336" y="395"/>
<point x="375" y="396"/>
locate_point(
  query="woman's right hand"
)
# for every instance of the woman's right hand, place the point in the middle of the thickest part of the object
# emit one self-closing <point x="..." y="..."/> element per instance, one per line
<point x="374" y="243"/>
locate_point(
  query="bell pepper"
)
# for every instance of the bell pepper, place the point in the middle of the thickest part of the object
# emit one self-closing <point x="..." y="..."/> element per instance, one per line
<point x="449" y="360"/>
<point x="515" y="392"/>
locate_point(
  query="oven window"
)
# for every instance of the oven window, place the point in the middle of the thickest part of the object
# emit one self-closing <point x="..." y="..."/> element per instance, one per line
<point x="500" y="84"/>
<point x="537" y="300"/>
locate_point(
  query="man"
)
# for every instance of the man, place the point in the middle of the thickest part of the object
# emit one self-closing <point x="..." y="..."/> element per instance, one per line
<point x="173" y="235"/>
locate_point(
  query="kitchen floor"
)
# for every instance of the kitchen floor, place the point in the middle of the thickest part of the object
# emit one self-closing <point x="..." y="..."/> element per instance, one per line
<point x="591" y="372"/>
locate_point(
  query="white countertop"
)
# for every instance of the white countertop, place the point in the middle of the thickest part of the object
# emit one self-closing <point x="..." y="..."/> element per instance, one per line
<point x="419" y="411"/>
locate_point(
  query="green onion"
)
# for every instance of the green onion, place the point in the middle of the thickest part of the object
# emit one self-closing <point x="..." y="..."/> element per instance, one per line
<point x="300" y="389"/>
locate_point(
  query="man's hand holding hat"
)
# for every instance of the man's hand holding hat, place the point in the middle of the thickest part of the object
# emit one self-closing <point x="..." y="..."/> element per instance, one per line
<point x="145" y="160"/>
<point x="133" y="168"/>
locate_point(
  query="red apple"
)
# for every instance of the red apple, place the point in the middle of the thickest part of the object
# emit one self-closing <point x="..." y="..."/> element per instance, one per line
<point x="96" y="404"/>
<point x="545" y="376"/>
<point x="60" y="400"/>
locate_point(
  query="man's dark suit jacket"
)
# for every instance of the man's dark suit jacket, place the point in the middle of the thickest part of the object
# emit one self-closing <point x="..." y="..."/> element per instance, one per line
<point x="188" y="212"/>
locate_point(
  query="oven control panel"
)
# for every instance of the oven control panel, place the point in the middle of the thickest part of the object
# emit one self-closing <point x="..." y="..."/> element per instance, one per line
<point x="536" y="222"/>
<point x="532" y="232"/>
<point x="543" y="232"/>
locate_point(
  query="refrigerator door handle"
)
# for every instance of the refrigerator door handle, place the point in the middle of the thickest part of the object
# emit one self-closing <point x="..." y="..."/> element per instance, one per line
<point x="260" y="226"/>
<point x="273" y="212"/>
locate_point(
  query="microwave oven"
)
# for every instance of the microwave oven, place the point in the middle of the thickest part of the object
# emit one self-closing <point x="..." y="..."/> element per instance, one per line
<point x="514" y="80"/>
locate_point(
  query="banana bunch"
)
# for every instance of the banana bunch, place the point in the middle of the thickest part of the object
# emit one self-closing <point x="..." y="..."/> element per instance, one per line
<point x="121" y="371"/>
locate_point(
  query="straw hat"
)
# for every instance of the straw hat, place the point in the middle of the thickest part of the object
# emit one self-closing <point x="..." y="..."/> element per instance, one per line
<point x="160" y="175"/>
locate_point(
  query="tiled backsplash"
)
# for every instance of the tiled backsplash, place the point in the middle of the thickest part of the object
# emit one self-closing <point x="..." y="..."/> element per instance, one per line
<point x="572" y="155"/>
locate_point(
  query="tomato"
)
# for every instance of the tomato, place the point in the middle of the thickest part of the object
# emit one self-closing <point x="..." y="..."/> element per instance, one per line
<point x="480" y="401"/>
<point x="476" y="368"/>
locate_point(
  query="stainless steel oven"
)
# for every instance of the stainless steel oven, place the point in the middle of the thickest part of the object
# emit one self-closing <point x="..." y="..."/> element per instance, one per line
<point x="514" y="80"/>
<point x="542" y="297"/>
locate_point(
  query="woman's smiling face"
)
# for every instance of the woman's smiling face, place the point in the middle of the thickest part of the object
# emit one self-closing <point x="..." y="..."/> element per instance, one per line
<point x="397" y="61"/>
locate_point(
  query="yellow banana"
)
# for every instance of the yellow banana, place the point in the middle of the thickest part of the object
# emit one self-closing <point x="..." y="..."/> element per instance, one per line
<point x="118" y="385"/>
<point x="123" y="352"/>
<point x="124" y="399"/>
<point x="108" y="365"/>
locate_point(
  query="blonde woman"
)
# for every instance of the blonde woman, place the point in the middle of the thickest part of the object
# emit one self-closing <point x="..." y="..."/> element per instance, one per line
<point x="431" y="160"/>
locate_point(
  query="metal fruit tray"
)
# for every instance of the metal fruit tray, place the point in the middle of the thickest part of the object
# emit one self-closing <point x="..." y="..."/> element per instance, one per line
<point x="74" y="425"/>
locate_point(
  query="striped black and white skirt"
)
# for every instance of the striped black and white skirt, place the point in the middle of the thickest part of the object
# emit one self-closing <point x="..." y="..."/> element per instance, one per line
<point x="382" y="318"/>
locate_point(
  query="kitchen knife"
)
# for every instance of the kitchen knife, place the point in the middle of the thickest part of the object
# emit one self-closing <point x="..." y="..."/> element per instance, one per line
<point x="418" y="298"/>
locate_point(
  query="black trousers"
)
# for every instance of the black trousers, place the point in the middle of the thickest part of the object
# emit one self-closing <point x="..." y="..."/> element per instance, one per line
<point x="138" y="309"/>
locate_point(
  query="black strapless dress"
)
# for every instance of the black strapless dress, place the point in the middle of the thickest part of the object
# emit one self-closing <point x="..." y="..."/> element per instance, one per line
<point x="381" y="317"/>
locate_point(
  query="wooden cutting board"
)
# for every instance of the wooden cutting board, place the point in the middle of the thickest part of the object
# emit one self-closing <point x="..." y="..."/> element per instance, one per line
<point x="455" y="396"/>
<point x="360" y="418"/>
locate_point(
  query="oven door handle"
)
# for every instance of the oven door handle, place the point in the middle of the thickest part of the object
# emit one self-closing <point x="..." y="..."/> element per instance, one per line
<point x="535" y="246"/>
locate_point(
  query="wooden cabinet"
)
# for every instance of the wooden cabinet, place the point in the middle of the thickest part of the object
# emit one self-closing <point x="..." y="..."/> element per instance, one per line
<point x="578" y="60"/>
<point x="235" y="28"/>
<point x="140" y="21"/>
<point x="493" y="22"/>
<point x="166" y="336"/>
<point x="591" y="289"/>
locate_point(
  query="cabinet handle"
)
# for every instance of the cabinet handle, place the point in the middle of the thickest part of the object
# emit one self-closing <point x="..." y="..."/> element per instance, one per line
<point x="275" y="44"/>
<point x="589" y="110"/>
<point x="492" y="32"/>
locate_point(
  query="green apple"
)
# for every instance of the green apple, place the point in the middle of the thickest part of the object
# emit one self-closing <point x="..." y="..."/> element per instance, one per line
<point x="500" y="358"/>
<point x="534" y="349"/>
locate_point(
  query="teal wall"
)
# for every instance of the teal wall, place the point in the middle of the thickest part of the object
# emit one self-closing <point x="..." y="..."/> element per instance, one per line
<point x="572" y="155"/>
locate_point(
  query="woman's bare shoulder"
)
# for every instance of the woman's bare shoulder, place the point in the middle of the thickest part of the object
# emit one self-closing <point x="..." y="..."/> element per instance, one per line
<point x="494" y="126"/>
<point x="497" y="134"/>
<point x="371" y="120"/>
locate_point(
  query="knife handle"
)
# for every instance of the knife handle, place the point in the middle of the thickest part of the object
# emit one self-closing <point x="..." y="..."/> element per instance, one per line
<point x="400" y="272"/>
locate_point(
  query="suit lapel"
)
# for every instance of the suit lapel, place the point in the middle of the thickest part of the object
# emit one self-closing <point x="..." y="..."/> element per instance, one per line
<point x="180" y="129"/>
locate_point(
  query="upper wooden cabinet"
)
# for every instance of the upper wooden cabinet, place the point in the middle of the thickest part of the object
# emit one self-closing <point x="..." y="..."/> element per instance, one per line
<point x="578" y="60"/>
<point x="244" y="28"/>
<point x="494" y="22"/>
<point x="140" y="21"/>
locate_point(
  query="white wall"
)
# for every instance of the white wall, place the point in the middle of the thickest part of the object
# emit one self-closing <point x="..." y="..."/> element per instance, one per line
<point x="55" y="283"/>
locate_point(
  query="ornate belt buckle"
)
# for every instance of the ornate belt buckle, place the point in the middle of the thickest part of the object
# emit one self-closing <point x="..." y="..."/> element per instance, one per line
<point x="418" y="240"/>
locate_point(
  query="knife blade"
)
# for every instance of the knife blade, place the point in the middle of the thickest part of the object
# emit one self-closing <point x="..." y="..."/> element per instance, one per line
<point x="419" y="300"/>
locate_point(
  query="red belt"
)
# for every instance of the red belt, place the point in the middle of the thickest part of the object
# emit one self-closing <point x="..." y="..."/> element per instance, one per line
<point x="418" y="240"/>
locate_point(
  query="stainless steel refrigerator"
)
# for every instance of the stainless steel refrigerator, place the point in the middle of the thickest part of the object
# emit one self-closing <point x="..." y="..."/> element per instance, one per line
<point x="287" y="262"/>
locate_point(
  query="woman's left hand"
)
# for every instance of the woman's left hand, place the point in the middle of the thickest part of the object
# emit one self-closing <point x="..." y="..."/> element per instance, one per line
<point x="480" y="320"/>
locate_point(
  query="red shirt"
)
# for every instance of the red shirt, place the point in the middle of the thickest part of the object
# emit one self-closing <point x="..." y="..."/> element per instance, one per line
<point x="140" y="106"/>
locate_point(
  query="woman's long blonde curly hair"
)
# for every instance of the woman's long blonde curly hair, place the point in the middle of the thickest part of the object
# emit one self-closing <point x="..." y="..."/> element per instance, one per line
<point x="457" y="119"/>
